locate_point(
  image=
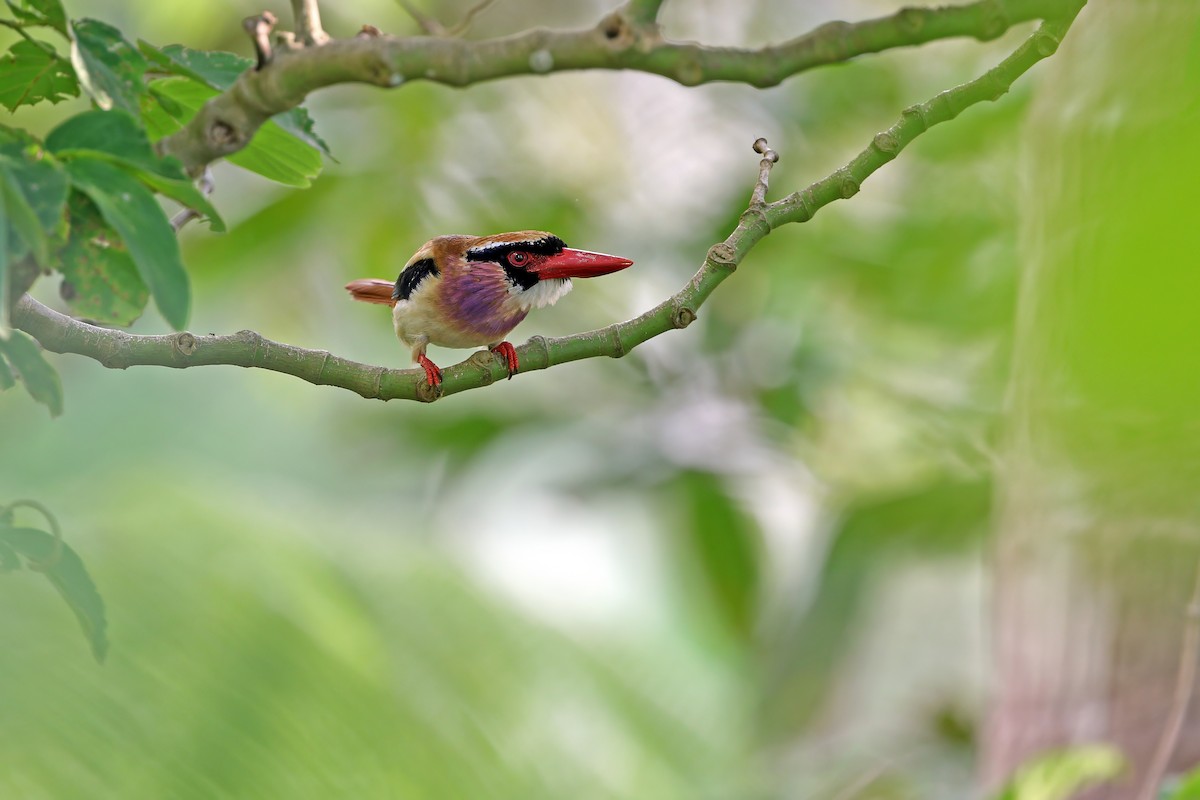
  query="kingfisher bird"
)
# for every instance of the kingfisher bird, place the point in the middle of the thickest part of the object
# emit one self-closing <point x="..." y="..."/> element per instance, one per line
<point x="468" y="291"/>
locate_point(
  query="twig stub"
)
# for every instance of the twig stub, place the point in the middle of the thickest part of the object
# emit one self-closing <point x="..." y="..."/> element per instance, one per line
<point x="259" y="27"/>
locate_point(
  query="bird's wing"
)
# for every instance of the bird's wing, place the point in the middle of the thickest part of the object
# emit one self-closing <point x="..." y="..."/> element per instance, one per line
<point x="372" y="290"/>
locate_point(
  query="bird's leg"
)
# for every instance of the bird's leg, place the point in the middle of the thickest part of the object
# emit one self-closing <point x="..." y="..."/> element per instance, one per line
<point x="433" y="373"/>
<point x="509" y="354"/>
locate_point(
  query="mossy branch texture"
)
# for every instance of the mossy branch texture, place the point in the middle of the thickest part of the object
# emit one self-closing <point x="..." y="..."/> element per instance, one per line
<point x="286" y="79"/>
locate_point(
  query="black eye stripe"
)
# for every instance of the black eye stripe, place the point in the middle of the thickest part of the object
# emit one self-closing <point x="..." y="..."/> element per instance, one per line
<point x="499" y="251"/>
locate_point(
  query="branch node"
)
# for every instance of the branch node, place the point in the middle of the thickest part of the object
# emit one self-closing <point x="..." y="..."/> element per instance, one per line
<point x="368" y="32"/>
<point x="184" y="343"/>
<point x="223" y="136"/>
<point x="722" y="255"/>
<point x="259" y="27"/>
<point x="614" y="332"/>
<point x="618" y="32"/>
<point x="307" y="18"/>
<point x="683" y="317"/>
<point x="541" y="343"/>
<point x="919" y="112"/>
<point x="885" y="142"/>
<point x="848" y="185"/>
<point x="425" y="392"/>
<point x="1046" y="42"/>
<point x="484" y="360"/>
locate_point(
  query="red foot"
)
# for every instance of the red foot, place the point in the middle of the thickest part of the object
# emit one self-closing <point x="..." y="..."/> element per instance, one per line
<point x="509" y="354"/>
<point x="432" y="373"/>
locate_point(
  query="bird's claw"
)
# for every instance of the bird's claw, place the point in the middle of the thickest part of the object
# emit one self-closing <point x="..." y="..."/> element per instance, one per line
<point x="509" y="353"/>
<point x="433" y="373"/>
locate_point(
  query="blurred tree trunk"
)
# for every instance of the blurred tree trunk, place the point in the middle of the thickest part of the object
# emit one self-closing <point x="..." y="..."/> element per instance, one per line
<point x="1099" y="508"/>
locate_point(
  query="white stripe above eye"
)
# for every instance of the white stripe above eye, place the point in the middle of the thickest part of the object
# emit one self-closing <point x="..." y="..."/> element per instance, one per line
<point x="504" y="247"/>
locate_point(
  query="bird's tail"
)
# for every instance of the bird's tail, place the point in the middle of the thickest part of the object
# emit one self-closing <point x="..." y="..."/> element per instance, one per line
<point x="372" y="290"/>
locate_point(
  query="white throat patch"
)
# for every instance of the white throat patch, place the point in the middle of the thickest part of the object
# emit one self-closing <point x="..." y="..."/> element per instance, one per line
<point x="542" y="293"/>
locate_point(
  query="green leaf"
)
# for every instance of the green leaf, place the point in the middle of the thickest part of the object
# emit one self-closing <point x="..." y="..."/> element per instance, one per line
<point x="118" y="137"/>
<point x="100" y="280"/>
<point x="30" y="73"/>
<point x="108" y="67"/>
<point x="7" y="381"/>
<point x="133" y="212"/>
<point x="1059" y="775"/>
<point x="23" y="218"/>
<point x="40" y="379"/>
<point x="40" y="12"/>
<point x="20" y="217"/>
<point x="41" y="178"/>
<point x="33" y="190"/>
<point x="65" y="570"/>
<point x="215" y="68"/>
<point x="272" y="153"/>
<point x="218" y="70"/>
<point x="114" y="132"/>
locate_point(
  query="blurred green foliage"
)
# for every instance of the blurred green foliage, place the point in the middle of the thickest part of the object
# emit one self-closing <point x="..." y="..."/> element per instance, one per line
<point x="645" y="578"/>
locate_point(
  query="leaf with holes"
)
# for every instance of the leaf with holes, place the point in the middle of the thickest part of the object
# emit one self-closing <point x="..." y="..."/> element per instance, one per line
<point x="272" y="153"/>
<point x="219" y="70"/>
<point x="40" y="12"/>
<point x="31" y="72"/>
<point x="40" y="379"/>
<point x="135" y="215"/>
<point x="63" y="567"/>
<point x="116" y="136"/>
<point x="109" y="68"/>
<point x="100" y="280"/>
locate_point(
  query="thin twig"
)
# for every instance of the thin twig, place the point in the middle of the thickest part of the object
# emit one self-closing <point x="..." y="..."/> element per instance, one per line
<point x="473" y="12"/>
<point x="307" y="18"/>
<point x="259" y="27"/>
<point x="427" y="23"/>
<point x="1185" y="680"/>
<point x="769" y="159"/>
<point x="187" y="214"/>
<point x="20" y="29"/>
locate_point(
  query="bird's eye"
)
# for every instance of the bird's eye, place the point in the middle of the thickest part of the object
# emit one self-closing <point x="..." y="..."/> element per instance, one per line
<point x="518" y="258"/>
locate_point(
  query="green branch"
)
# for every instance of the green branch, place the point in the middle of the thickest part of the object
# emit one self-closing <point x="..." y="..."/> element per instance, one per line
<point x="118" y="349"/>
<point x="623" y="40"/>
<point x="642" y="12"/>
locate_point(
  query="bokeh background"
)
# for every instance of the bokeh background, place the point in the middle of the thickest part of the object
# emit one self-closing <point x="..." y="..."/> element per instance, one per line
<point x="745" y="561"/>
